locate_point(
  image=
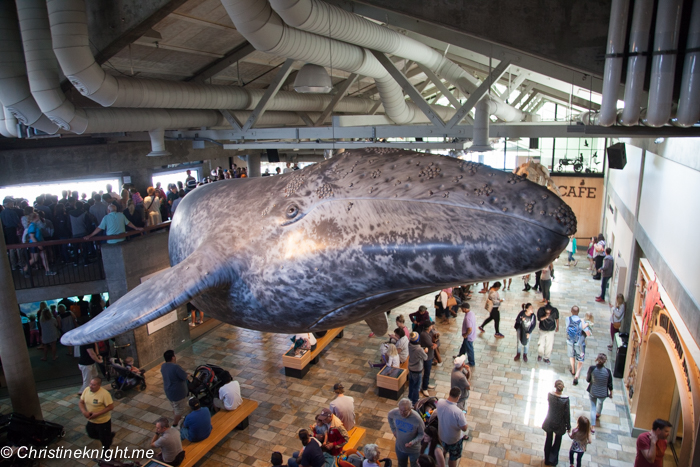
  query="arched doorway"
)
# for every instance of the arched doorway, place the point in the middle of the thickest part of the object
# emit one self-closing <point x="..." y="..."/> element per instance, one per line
<point x="664" y="392"/>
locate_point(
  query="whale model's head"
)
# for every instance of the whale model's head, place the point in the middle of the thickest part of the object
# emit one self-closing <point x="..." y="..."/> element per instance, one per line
<point x="342" y="241"/>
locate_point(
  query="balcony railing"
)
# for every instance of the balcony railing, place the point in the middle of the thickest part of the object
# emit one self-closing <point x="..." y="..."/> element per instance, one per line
<point x="74" y="260"/>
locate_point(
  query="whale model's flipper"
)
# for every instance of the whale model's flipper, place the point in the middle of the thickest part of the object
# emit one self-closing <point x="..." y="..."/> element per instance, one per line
<point x="379" y="324"/>
<point x="202" y="270"/>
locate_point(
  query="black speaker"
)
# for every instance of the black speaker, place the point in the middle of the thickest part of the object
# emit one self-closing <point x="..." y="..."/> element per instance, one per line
<point x="617" y="156"/>
<point x="273" y="155"/>
<point x="534" y="143"/>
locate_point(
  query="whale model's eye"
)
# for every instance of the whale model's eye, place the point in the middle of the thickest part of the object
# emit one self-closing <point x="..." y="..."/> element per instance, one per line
<point x="292" y="211"/>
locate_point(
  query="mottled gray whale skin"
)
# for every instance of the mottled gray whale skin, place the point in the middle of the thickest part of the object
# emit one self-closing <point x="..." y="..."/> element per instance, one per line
<point x="343" y="241"/>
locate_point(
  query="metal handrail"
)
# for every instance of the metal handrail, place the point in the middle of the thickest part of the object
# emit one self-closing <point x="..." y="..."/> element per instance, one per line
<point x="132" y="233"/>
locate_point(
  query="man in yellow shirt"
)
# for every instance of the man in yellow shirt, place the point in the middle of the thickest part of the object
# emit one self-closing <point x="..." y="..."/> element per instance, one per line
<point x="96" y="404"/>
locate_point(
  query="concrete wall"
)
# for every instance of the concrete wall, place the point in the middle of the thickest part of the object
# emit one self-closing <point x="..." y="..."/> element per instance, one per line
<point x="125" y="264"/>
<point x="20" y="166"/>
<point x="655" y="200"/>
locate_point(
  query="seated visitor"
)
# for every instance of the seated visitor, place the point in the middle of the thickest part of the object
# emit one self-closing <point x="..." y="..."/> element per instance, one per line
<point x="168" y="440"/>
<point x="420" y="318"/>
<point x="129" y="365"/>
<point x="229" y="394"/>
<point x="276" y="459"/>
<point x="320" y="430"/>
<point x="390" y="357"/>
<point x="197" y="425"/>
<point x="304" y="341"/>
<point x="337" y="434"/>
<point x="401" y="342"/>
<point x="310" y="455"/>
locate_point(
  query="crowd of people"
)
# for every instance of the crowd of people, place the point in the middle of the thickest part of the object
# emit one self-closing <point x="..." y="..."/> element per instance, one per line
<point x="428" y="432"/>
<point x="421" y="348"/>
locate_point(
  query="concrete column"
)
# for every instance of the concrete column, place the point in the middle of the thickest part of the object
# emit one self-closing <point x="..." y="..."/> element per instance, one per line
<point x="142" y="178"/>
<point x="13" y="348"/>
<point x="254" y="165"/>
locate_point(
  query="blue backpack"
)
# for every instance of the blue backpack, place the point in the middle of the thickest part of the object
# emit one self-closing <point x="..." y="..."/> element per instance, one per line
<point x="574" y="328"/>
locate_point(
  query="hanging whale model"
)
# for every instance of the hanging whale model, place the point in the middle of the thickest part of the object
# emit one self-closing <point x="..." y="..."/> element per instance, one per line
<point x="342" y="241"/>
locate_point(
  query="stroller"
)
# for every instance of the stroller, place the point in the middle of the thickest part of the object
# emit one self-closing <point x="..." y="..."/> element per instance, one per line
<point x="425" y="407"/>
<point x="23" y="431"/>
<point x="124" y="378"/>
<point x="206" y="382"/>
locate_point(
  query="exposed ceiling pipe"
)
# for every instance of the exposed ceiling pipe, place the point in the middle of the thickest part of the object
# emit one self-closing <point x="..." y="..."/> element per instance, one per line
<point x="69" y="32"/>
<point x="263" y="28"/>
<point x="482" y="110"/>
<point x="663" y="66"/>
<point x="637" y="62"/>
<point x="320" y="18"/>
<point x="8" y="124"/>
<point x="14" y="89"/>
<point x="42" y="68"/>
<point x="617" y="29"/>
<point x="689" y="102"/>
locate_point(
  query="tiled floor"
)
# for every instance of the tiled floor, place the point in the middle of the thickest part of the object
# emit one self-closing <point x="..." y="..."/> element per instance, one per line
<point x="505" y="410"/>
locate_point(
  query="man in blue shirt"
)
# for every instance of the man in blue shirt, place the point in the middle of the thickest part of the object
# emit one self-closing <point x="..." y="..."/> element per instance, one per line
<point x="197" y="425"/>
<point x="113" y="223"/>
<point x="175" y="384"/>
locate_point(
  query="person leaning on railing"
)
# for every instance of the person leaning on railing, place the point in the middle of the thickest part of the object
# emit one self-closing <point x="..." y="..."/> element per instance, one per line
<point x="113" y="223"/>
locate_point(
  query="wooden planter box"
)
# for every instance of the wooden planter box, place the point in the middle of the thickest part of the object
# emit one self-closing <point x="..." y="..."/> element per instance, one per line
<point x="297" y="367"/>
<point x="392" y="386"/>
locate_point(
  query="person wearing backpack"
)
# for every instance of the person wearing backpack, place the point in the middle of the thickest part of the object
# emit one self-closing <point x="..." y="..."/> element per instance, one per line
<point x="600" y="386"/>
<point x="574" y="337"/>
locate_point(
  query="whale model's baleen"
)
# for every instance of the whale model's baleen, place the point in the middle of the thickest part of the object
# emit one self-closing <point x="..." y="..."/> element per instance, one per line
<point x="342" y="241"/>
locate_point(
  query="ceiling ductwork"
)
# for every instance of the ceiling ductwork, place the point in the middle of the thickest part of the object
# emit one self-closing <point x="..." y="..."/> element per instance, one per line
<point x="14" y="89"/>
<point x="263" y="28"/>
<point x="318" y="17"/>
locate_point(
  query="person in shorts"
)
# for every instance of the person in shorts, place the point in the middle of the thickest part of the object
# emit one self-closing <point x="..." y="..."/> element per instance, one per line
<point x="452" y="426"/>
<point x="175" y="385"/>
<point x="575" y="339"/>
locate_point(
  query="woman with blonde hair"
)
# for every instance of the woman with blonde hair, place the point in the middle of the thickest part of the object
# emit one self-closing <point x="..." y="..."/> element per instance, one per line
<point x="617" y="314"/>
<point x="49" y="331"/>
<point x="390" y="357"/>
<point x="151" y="206"/>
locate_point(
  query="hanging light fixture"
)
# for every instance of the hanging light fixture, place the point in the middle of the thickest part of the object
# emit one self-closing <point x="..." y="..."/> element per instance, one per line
<point x="313" y="79"/>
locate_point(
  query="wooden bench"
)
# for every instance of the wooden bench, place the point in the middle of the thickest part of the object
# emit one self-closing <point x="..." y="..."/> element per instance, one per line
<point x="222" y="423"/>
<point x="297" y="367"/>
<point x="356" y="435"/>
<point x="392" y="388"/>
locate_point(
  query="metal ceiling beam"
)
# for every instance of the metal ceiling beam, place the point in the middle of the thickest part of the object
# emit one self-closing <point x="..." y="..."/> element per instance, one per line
<point x="496" y="130"/>
<point x="102" y="11"/>
<point x="175" y="48"/>
<point x="234" y="55"/>
<point x="408" y="88"/>
<point x="270" y="92"/>
<point x="440" y="85"/>
<point x="516" y="84"/>
<point x="375" y="107"/>
<point x="231" y="120"/>
<point x="340" y="93"/>
<point x="480" y="92"/>
<point x="202" y="22"/>
<point x="522" y="94"/>
<point x="533" y="94"/>
<point x="305" y="117"/>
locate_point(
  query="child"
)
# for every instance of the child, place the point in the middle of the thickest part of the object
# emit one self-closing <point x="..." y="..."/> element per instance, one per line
<point x="129" y="365"/>
<point x="390" y="357"/>
<point x="581" y="437"/>
<point x="34" y="335"/>
<point x="320" y="430"/>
